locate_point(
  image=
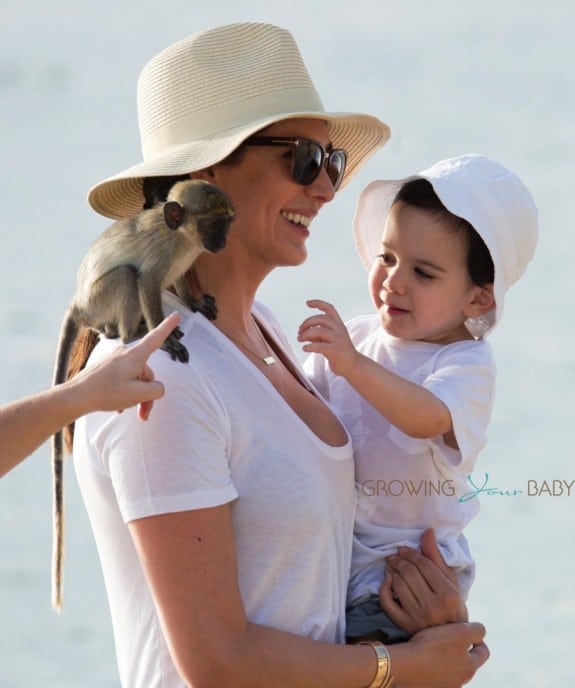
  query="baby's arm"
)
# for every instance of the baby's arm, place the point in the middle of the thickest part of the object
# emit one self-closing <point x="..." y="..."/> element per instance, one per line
<point x="411" y="408"/>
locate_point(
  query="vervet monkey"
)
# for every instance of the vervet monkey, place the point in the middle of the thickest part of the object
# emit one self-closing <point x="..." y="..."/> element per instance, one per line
<point x="119" y="293"/>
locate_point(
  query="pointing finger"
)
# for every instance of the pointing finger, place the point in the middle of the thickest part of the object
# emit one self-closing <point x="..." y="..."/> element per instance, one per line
<point x="156" y="337"/>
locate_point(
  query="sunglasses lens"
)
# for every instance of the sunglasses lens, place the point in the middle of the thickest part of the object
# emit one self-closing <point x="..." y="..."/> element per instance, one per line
<point x="336" y="167"/>
<point x="308" y="160"/>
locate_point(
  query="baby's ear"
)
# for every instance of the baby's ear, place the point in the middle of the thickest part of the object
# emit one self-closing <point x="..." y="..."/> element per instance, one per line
<point x="482" y="301"/>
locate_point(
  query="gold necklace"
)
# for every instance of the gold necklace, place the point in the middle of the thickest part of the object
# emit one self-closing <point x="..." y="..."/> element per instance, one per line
<point x="269" y="359"/>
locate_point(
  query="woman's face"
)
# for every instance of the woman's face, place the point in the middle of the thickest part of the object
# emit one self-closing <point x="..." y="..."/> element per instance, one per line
<point x="273" y="213"/>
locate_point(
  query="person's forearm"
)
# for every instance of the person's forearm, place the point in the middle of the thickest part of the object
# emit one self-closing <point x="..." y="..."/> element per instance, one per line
<point x="437" y="658"/>
<point x="26" y="424"/>
<point x="408" y="406"/>
<point x="274" y="658"/>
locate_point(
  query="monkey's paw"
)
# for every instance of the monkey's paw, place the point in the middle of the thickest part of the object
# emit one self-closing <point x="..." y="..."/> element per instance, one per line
<point x="207" y="306"/>
<point x="177" y="351"/>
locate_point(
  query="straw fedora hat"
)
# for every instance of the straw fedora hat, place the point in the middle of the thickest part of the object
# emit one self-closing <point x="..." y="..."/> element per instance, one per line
<point x="494" y="201"/>
<point x="201" y="97"/>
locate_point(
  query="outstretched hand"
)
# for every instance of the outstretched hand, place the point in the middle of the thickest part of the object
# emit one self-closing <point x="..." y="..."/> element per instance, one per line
<point x="419" y="589"/>
<point x="124" y="378"/>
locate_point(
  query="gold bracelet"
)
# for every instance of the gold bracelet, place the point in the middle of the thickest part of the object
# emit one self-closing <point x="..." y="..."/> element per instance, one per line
<point x="383" y="677"/>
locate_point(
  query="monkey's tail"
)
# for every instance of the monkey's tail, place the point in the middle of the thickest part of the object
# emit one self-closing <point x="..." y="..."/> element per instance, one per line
<point x="68" y="334"/>
<point x="58" y="528"/>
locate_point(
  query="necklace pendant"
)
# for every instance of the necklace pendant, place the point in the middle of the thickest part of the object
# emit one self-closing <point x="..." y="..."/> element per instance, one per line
<point x="269" y="360"/>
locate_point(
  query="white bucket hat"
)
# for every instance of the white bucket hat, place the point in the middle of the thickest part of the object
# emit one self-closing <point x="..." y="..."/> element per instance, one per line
<point x="201" y="97"/>
<point x="489" y="196"/>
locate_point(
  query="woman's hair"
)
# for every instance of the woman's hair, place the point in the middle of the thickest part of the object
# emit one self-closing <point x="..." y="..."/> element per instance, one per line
<point x="83" y="346"/>
<point x="419" y="193"/>
<point x="156" y="189"/>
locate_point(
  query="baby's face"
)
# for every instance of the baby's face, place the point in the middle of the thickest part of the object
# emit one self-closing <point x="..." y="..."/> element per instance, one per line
<point x="419" y="283"/>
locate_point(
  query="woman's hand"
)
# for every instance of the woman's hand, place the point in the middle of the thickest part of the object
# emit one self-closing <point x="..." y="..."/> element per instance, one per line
<point x="442" y="657"/>
<point x="419" y="589"/>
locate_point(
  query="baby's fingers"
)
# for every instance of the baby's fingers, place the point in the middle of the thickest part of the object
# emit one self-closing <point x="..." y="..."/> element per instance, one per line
<point x="328" y="308"/>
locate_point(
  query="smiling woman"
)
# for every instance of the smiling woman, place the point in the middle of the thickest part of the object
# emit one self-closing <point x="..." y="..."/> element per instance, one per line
<point x="224" y="526"/>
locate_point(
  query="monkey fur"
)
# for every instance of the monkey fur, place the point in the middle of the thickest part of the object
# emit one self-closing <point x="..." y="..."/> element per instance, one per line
<point x="119" y="294"/>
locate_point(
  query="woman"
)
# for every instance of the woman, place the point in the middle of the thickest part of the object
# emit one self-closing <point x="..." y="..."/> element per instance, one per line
<point x="224" y="525"/>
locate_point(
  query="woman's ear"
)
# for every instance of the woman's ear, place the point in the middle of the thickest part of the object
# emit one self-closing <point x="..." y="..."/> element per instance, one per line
<point x="206" y="175"/>
<point x="481" y="301"/>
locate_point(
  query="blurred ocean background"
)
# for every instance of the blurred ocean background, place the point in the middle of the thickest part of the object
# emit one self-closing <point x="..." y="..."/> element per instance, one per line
<point x="456" y="76"/>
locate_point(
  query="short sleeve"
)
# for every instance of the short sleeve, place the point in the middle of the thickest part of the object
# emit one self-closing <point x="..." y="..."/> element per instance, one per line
<point x="177" y="459"/>
<point x="464" y="379"/>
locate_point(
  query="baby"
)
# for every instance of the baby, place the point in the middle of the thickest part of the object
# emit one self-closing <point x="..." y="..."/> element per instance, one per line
<point x="414" y="382"/>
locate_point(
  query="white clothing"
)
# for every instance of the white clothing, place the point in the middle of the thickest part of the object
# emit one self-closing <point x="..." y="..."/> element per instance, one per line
<point x="220" y="434"/>
<point x="406" y="485"/>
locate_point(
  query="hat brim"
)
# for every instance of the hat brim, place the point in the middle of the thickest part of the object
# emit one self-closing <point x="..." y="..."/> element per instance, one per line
<point x="373" y="207"/>
<point x="121" y="195"/>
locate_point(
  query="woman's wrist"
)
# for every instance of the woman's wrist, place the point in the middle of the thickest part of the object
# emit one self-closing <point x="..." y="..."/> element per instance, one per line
<point x="383" y="677"/>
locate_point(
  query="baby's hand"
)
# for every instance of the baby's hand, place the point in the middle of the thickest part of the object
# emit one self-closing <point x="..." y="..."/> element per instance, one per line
<point x="327" y="335"/>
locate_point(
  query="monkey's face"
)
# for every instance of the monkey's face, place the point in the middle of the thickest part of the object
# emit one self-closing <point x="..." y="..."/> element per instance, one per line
<point x="213" y="231"/>
<point x="207" y="211"/>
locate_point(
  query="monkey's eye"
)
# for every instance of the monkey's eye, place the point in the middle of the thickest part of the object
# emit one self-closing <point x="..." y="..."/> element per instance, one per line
<point x="213" y="224"/>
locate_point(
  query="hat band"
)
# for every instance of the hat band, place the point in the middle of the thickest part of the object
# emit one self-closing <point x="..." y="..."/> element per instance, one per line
<point x="216" y="121"/>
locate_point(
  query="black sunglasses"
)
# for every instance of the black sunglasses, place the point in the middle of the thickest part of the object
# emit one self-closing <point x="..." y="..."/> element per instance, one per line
<point x="308" y="158"/>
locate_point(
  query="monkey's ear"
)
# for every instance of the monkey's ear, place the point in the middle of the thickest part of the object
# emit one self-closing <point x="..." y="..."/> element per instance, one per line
<point x="173" y="214"/>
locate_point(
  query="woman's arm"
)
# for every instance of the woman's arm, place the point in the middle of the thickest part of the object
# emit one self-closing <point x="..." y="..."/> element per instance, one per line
<point x="121" y="380"/>
<point x="190" y="563"/>
<point x="411" y="408"/>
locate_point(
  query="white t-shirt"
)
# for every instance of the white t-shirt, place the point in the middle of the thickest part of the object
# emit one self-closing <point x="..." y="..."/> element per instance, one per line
<point x="404" y="484"/>
<point x="220" y="434"/>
